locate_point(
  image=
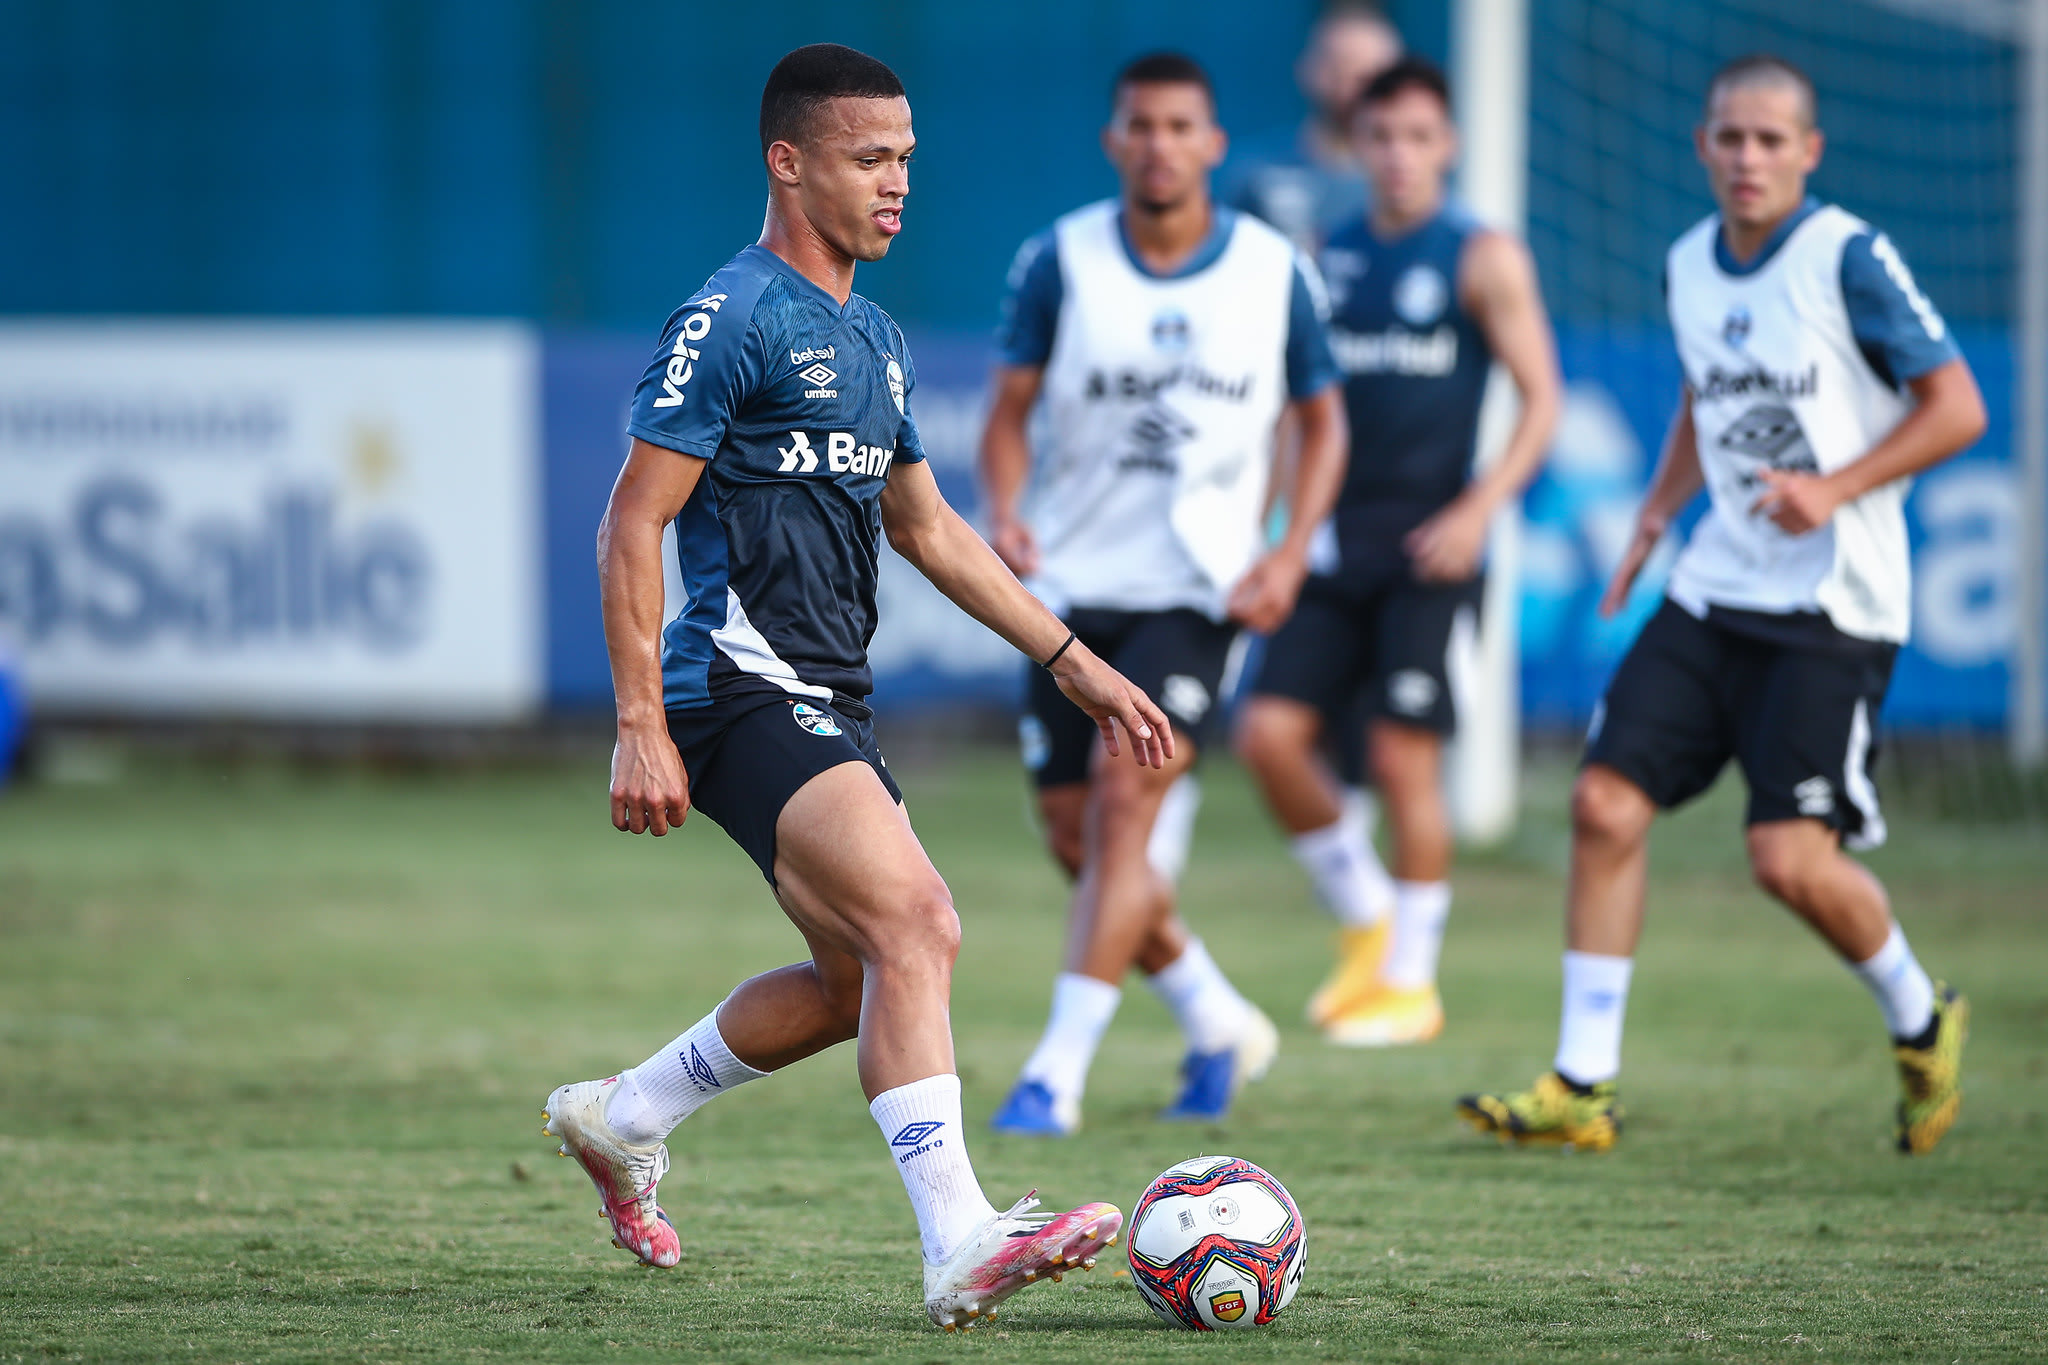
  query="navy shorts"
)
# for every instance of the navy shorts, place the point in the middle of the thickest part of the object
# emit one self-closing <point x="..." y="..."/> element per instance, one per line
<point x="1179" y="658"/>
<point x="746" y="756"/>
<point x="1379" y="650"/>
<point x="1800" y="720"/>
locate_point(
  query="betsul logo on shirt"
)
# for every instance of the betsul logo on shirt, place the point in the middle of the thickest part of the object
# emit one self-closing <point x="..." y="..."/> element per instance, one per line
<point x="682" y="361"/>
<point x="843" y="455"/>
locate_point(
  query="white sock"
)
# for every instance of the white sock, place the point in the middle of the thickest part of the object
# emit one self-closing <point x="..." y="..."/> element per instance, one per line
<point x="674" y="1083"/>
<point x="1348" y="875"/>
<point x="1210" y="1011"/>
<point x="1081" y="1010"/>
<point x="921" y="1123"/>
<point x="1420" y="910"/>
<point x="1902" y="989"/>
<point x="1595" y="999"/>
<point x="1173" y="829"/>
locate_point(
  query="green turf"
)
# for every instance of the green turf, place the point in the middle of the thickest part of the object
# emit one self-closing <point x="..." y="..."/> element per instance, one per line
<point x="274" y="1048"/>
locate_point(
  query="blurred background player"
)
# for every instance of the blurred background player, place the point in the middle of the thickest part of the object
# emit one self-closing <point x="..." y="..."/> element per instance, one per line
<point x="773" y="429"/>
<point x="1818" y="380"/>
<point x="1306" y="180"/>
<point x="1165" y="336"/>
<point x="1423" y="301"/>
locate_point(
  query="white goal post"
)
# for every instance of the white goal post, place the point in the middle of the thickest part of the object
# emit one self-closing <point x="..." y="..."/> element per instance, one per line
<point x="1490" y="79"/>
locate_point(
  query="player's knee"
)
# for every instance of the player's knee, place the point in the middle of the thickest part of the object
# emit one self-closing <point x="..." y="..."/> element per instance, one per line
<point x="1782" y="867"/>
<point x="1263" y="737"/>
<point x="934" y="926"/>
<point x="842" y="993"/>
<point x="1607" y="808"/>
<point x="1402" y="765"/>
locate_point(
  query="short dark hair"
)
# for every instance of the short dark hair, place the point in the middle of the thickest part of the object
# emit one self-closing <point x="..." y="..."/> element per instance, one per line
<point x="1163" y="68"/>
<point x="802" y="83"/>
<point x="1764" y="68"/>
<point x="1407" y="73"/>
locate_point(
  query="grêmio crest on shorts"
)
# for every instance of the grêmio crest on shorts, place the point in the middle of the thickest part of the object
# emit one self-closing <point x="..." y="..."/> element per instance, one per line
<point x="802" y="407"/>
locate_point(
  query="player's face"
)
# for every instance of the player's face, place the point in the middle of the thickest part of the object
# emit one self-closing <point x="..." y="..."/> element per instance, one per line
<point x="1346" y="54"/>
<point x="1758" y="149"/>
<point x="1407" y="144"/>
<point x="854" y="173"/>
<point x="1163" y="141"/>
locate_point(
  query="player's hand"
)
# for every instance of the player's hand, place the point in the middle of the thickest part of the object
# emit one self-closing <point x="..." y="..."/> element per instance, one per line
<point x="1448" y="547"/>
<point x="1796" y="503"/>
<point x="1015" y="546"/>
<point x="1649" y="530"/>
<point x="1264" y="598"/>
<point x="1111" y="702"/>
<point x="650" y="790"/>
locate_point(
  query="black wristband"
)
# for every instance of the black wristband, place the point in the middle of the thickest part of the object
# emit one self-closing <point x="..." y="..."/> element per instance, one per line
<point x="1047" y="665"/>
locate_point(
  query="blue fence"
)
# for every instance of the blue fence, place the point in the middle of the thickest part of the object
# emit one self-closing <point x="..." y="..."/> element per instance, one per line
<point x="1579" y="512"/>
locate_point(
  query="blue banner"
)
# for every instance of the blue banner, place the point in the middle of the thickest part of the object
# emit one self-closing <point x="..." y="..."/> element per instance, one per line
<point x="1621" y="386"/>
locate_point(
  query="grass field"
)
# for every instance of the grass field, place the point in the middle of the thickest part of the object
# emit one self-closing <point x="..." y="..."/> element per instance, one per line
<point x="274" y="1048"/>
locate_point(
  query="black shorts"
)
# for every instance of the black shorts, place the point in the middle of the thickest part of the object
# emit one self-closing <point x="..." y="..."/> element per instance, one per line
<point x="1178" y="657"/>
<point x="1383" y="650"/>
<point x="746" y="756"/>
<point x="1801" y="720"/>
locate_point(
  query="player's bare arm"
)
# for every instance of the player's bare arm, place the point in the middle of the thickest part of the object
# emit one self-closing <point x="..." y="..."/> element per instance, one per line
<point x="1265" y="596"/>
<point x="650" y="790"/>
<point x="925" y="530"/>
<point x="1948" y="416"/>
<point x="1006" y="464"/>
<point x="1677" y="482"/>
<point x="1497" y="285"/>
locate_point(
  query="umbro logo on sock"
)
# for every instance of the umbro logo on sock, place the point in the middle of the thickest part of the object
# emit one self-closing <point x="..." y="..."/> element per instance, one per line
<point x="700" y="1070"/>
<point x="918" y="1138"/>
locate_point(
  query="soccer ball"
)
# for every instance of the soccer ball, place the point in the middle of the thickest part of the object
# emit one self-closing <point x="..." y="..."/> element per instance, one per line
<point x="1216" y="1242"/>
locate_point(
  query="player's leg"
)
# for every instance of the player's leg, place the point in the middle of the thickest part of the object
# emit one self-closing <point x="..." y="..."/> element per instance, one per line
<point x="1806" y="741"/>
<point x="1311" y="672"/>
<point x="1420" y="633"/>
<point x="1660" y="736"/>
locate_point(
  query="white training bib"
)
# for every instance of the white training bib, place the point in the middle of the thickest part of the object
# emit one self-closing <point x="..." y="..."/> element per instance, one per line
<point x="1160" y="398"/>
<point x="1778" y="382"/>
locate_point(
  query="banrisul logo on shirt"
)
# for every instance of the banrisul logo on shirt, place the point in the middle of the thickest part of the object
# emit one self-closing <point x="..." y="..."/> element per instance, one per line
<point x="682" y="361"/>
<point x="843" y="455"/>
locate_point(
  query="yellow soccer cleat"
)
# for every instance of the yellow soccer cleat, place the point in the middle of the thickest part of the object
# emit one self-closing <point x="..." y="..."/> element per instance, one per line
<point x="1549" y="1111"/>
<point x="1932" y="1076"/>
<point x="1357" y="973"/>
<point x="1391" y="1016"/>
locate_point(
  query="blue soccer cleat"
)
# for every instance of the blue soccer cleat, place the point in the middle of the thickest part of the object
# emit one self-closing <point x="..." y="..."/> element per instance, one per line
<point x="1033" y="1111"/>
<point x="1211" y="1080"/>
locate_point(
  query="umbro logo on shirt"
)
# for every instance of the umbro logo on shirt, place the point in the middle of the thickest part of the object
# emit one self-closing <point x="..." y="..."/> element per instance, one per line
<point x="842" y="455"/>
<point x="819" y="376"/>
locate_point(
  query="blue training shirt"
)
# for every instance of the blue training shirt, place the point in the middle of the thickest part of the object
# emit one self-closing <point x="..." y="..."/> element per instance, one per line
<point x="1031" y="307"/>
<point x="802" y="407"/>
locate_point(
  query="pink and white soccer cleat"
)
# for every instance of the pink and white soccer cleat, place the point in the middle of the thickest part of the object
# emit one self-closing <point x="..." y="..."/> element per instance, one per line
<point x="625" y="1173"/>
<point x="1012" y="1250"/>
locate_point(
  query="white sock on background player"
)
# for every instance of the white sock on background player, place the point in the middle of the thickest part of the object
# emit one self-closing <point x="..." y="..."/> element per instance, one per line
<point x="1595" y="999"/>
<point x="1348" y="875"/>
<point x="1173" y="829"/>
<point x="921" y="1124"/>
<point x="655" y="1096"/>
<point x="1081" y="1010"/>
<point x="1420" y="912"/>
<point x="1210" y="1010"/>
<point x="1900" y="986"/>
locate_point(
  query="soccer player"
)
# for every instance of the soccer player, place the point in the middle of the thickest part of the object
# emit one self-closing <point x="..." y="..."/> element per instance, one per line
<point x="1423" y="301"/>
<point x="773" y="428"/>
<point x="1818" y="378"/>
<point x="1163" y="336"/>
<point x="1308" y="183"/>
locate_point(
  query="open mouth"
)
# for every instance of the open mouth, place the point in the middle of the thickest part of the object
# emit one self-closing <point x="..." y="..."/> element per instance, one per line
<point x="889" y="221"/>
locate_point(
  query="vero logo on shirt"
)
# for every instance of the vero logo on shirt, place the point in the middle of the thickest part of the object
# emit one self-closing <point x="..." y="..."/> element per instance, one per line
<point x="682" y="362"/>
<point x="843" y="455"/>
